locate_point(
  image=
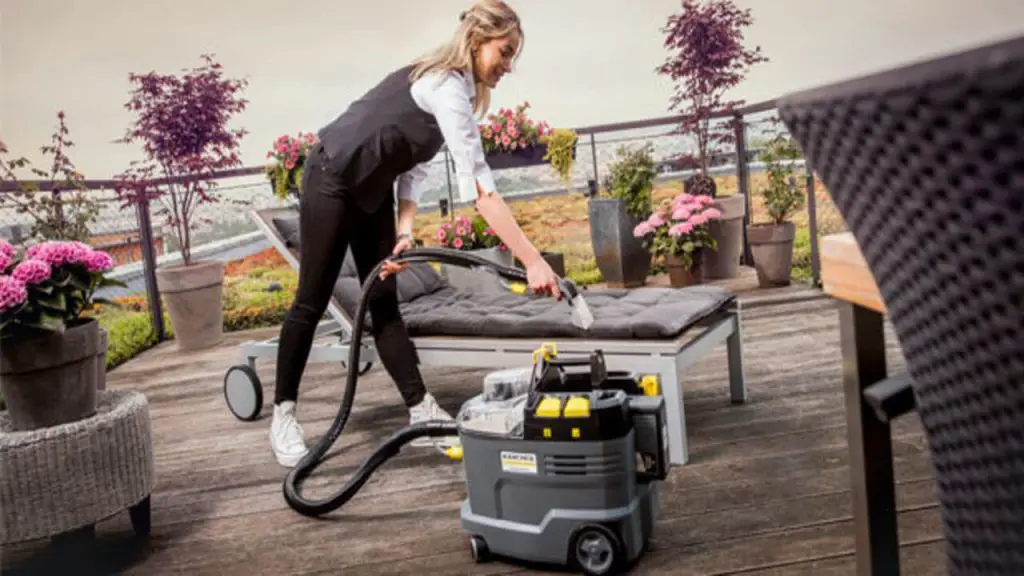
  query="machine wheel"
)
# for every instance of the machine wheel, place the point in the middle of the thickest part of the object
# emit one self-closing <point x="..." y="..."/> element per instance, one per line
<point x="363" y="368"/>
<point x="243" y="392"/>
<point x="478" y="547"/>
<point x="596" y="550"/>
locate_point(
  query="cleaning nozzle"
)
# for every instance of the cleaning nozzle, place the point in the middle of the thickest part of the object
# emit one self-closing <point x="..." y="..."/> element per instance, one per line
<point x="581" y="314"/>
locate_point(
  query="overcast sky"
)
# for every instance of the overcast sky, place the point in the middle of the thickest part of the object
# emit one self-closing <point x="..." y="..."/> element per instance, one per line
<point x="585" y="61"/>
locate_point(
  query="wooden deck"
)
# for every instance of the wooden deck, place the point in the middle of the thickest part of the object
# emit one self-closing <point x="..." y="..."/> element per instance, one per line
<point x="767" y="490"/>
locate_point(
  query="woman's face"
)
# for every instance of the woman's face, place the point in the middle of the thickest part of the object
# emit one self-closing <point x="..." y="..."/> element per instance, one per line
<point x="494" y="59"/>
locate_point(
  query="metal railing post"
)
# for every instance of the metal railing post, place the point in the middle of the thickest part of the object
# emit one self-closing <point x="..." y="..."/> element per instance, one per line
<point x="812" y="221"/>
<point x="743" y="182"/>
<point x="149" y="259"/>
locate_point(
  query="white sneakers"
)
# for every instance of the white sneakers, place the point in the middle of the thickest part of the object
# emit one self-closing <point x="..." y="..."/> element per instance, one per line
<point x="286" y="436"/>
<point x="429" y="409"/>
<point x="289" y="445"/>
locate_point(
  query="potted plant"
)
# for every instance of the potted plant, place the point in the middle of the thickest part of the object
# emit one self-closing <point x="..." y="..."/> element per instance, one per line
<point x="623" y="260"/>
<point x="289" y="154"/>
<point x="52" y="358"/>
<point x="679" y="234"/>
<point x="182" y="123"/>
<point x="67" y="209"/>
<point x="708" y="59"/>
<point x="771" y="243"/>
<point x="511" y="139"/>
<point x="476" y="236"/>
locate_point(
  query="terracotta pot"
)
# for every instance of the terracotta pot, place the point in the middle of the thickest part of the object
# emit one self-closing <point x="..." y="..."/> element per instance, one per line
<point x="679" y="275"/>
<point x="194" y="299"/>
<point x="51" y="379"/>
<point x="771" y="245"/>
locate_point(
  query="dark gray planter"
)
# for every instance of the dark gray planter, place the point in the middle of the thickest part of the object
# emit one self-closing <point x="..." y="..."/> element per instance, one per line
<point x="51" y="379"/>
<point x="621" y="257"/>
<point x="479" y="279"/>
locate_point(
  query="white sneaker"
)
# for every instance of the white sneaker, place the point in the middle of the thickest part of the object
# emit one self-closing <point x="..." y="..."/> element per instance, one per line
<point x="426" y="410"/>
<point x="286" y="436"/>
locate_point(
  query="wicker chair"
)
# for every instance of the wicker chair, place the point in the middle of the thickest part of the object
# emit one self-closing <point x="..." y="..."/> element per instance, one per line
<point x="926" y="164"/>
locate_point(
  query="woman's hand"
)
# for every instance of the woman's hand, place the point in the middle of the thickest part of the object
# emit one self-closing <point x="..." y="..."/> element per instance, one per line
<point x="405" y="242"/>
<point x="542" y="278"/>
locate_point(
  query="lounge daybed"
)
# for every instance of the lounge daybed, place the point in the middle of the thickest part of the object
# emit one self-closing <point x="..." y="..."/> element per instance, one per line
<point x="651" y="330"/>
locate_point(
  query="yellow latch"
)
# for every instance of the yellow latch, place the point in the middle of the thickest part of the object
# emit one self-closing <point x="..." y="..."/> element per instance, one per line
<point x="649" y="384"/>
<point x="454" y="452"/>
<point x="577" y="407"/>
<point x="548" y="350"/>
<point x="549" y="407"/>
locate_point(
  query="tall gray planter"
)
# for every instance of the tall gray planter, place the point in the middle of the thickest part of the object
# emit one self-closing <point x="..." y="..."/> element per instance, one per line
<point x="480" y="280"/>
<point x="621" y="257"/>
<point x="728" y="234"/>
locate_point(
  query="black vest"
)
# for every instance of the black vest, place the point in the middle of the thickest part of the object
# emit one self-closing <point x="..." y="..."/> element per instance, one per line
<point x="380" y="136"/>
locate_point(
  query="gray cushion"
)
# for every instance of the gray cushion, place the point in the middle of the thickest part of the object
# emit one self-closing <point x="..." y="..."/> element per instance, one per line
<point x="418" y="280"/>
<point x="651" y="313"/>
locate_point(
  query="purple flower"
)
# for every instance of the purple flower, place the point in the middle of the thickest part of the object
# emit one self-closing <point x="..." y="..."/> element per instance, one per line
<point x="32" y="271"/>
<point x="12" y="292"/>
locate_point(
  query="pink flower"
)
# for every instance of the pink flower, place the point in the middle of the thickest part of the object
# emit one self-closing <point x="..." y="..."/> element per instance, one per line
<point x="656" y="220"/>
<point x="56" y="253"/>
<point x="698" y="219"/>
<point x="32" y="272"/>
<point x="457" y="243"/>
<point x="705" y="199"/>
<point x="6" y="254"/>
<point x="505" y="139"/>
<point x="642" y="229"/>
<point x="680" y="229"/>
<point x="441" y="234"/>
<point x="12" y="292"/>
<point x="713" y="213"/>
<point x="680" y="213"/>
<point x="489" y="231"/>
<point x="460" y="230"/>
<point x="98" y="261"/>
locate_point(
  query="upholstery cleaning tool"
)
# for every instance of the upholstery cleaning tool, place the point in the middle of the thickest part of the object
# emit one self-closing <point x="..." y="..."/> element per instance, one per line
<point x="577" y="450"/>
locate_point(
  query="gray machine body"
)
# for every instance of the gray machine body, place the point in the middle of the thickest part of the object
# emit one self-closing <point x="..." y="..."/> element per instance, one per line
<point x="527" y="498"/>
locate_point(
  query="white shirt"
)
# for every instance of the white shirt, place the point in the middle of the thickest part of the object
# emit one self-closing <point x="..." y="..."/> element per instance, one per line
<point x="450" y="100"/>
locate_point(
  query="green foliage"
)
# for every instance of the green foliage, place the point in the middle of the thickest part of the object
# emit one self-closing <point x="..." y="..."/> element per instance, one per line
<point x="561" y="149"/>
<point x="631" y="178"/>
<point x="129" y="333"/>
<point x="783" y="195"/>
<point x="66" y="211"/>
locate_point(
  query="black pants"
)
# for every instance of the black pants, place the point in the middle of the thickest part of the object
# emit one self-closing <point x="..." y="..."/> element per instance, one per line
<point x="328" y="223"/>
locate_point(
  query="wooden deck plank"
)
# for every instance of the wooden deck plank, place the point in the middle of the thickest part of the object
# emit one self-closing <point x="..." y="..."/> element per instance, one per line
<point x="767" y="491"/>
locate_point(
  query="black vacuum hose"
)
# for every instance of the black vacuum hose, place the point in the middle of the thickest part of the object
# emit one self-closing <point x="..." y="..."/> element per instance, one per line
<point x="393" y="444"/>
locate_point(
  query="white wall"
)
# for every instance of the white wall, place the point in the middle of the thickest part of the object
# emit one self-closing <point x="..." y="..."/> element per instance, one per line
<point x="586" y="61"/>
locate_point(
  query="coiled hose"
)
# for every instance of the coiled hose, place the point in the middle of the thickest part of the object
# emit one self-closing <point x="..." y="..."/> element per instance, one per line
<point x="393" y="444"/>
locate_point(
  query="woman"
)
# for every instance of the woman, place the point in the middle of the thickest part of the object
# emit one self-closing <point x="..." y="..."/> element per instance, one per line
<point x="384" y="138"/>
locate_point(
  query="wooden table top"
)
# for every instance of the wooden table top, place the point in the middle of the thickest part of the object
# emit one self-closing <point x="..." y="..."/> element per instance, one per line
<point x="845" y="274"/>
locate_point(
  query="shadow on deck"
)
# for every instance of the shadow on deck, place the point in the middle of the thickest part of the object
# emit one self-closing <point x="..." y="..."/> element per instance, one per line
<point x="767" y="490"/>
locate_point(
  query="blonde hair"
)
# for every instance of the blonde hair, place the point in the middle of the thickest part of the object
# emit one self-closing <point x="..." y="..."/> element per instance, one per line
<point x="485" y="20"/>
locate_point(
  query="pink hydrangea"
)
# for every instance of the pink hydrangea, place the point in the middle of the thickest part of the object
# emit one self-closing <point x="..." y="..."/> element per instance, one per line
<point x="97" y="261"/>
<point x="32" y="271"/>
<point x="6" y="254"/>
<point x="12" y="292"/>
<point x="58" y="253"/>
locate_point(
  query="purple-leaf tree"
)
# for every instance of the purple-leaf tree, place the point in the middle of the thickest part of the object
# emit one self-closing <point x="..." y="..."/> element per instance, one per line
<point x="182" y="124"/>
<point x="707" y="59"/>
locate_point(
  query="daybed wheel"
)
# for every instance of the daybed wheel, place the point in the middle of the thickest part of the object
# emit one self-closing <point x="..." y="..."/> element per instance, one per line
<point x="243" y="392"/>
<point x="596" y="550"/>
<point x="479" y="549"/>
